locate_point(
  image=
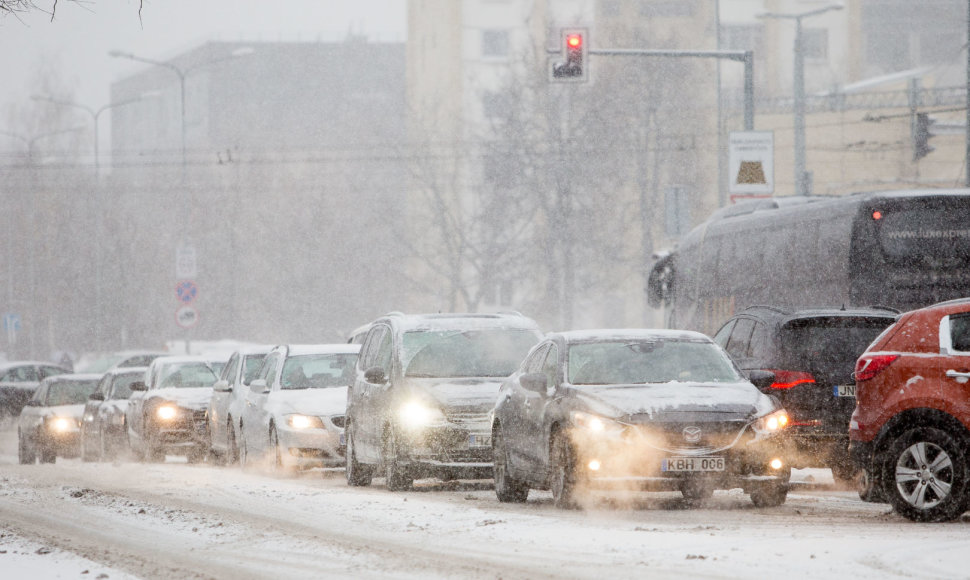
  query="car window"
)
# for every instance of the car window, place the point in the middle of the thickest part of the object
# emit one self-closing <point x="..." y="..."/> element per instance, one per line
<point x="229" y="372"/>
<point x="121" y="385"/>
<point x="488" y="352"/>
<point x="189" y="375"/>
<point x="759" y="339"/>
<point x="69" y="392"/>
<point x="372" y="344"/>
<point x="534" y="363"/>
<point x="40" y="394"/>
<point x="21" y="374"/>
<point x="721" y="338"/>
<point x="740" y="341"/>
<point x="268" y="371"/>
<point x="104" y="385"/>
<point x="826" y="344"/>
<point x="649" y="361"/>
<point x="50" y="372"/>
<point x="550" y="367"/>
<point x="960" y="332"/>
<point x="251" y="365"/>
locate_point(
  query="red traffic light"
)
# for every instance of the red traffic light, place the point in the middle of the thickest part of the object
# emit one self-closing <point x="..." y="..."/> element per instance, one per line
<point x="574" y="41"/>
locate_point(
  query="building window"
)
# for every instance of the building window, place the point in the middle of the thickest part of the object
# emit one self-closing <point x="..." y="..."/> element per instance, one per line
<point x="495" y="43"/>
<point x="815" y="43"/>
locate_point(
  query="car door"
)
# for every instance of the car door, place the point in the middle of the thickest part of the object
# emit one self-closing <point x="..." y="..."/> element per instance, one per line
<point x="541" y="408"/>
<point x="219" y="404"/>
<point x="954" y="363"/>
<point x="367" y="396"/>
<point x="515" y="430"/>
<point x="255" y="419"/>
<point x="92" y="416"/>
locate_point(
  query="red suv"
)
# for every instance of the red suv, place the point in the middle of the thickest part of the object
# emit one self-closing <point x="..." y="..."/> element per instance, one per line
<point x="910" y="430"/>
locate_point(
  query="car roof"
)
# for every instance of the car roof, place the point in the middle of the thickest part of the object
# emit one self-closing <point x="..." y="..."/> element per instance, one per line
<point x="125" y="370"/>
<point x="254" y="349"/>
<point x="36" y="363"/>
<point x="612" y="334"/>
<point x="786" y="314"/>
<point x="71" y="377"/>
<point x="459" y="321"/>
<point x="304" y="349"/>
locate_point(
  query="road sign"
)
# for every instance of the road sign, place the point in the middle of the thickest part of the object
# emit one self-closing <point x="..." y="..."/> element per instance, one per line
<point x="186" y="316"/>
<point x="185" y="263"/>
<point x="751" y="162"/>
<point x="186" y="291"/>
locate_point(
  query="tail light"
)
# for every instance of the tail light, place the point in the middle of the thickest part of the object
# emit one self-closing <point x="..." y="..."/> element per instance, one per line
<point x="869" y="366"/>
<point x="789" y="379"/>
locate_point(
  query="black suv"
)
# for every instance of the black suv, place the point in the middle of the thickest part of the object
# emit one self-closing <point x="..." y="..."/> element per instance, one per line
<point x="812" y="354"/>
<point x="423" y="390"/>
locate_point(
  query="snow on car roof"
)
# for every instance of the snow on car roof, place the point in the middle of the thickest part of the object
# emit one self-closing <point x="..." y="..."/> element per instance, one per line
<point x="340" y="348"/>
<point x="19" y="363"/>
<point x="604" y="334"/>
<point x="74" y="377"/>
<point x="125" y="370"/>
<point x="463" y="321"/>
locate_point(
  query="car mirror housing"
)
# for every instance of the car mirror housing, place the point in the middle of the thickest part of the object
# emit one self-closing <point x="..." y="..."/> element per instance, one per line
<point x="138" y="386"/>
<point x="535" y="382"/>
<point x="96" y="397"/>
<point x="375" y="375"/>
<point x="259" y="386"/>
<point x="222" y="386"/>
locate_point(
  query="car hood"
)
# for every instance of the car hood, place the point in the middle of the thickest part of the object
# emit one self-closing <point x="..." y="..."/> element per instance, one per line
<point x="476" y="395"/>
<point x="189" y="398"/>
<point x="675" y="401"/>
<point x="75" y="411"/>
<point x="318" y="402"/>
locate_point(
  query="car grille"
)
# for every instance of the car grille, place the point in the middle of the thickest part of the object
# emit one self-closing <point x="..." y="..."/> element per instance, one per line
<point x="469" y="420"/>
<point x="199" y="421"/>
<point x="339" y="420"/>
<point x="690" y="438"/>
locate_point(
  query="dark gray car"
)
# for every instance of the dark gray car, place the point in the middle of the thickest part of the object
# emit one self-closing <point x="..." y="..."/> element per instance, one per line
<point x="636" y="409"/>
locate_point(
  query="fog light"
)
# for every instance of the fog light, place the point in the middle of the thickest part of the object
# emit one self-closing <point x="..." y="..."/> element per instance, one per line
<point x="775" y="463"/>
<point x="594" y="465"/>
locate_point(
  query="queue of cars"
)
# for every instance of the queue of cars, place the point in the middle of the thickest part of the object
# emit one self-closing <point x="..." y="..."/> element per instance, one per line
<point x="489" y="396"/>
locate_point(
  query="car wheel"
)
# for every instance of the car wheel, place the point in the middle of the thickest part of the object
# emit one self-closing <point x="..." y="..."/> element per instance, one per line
<point x="357" y="475"/>
<point x="507" y="488"/>
<point x="696" y="491"/>
<point x="232" y="446"/>
<point x="927" y="475"/>
<point x="25" y="453"/>
<point x="274" y="443"/>
<point x="565" y="479"/>
<point x="869" y="487"/>
<point x="844" y="472"/>
<point x="243" y="450"/>
<point x="770" y="495"/>
<point x="396" y="473"/>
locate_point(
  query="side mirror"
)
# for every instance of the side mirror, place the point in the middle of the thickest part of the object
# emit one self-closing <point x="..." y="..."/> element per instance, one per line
<point x="96" y="397"/>
<point x="138" y="386"/>
<point x="222" y="386"/>
<point x="375" y="375"/>
<point x="761" y="378"/>
<point x="535" y="382"/>
<point x="259" y="386"/>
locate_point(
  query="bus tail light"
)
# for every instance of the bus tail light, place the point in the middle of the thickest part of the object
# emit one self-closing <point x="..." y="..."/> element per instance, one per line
<point x="869" y="366"/>
<point x="789" y="379"/>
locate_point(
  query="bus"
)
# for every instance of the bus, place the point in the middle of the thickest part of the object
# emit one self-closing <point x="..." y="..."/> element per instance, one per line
<point x="897" y="249"/>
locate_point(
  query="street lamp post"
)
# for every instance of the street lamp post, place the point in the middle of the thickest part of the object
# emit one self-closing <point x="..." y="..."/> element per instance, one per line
<point x="802" y="185"/>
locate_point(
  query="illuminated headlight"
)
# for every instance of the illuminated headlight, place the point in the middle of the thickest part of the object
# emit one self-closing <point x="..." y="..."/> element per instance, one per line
<point x="117" y="419"/>
<point x="304" y="422"/>
<point x="166" y="412"/>
<point x="416" y="414"/>
<point x="595" y="424"/>
<point x="771" y="423"/>
<point x="61" y="424"/>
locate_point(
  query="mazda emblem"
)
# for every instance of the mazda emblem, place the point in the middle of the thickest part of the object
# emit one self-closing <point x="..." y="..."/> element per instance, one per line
<point x="692" y="434"/>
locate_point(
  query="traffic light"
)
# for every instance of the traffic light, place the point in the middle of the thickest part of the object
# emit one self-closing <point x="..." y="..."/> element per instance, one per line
<point x="921" y="136"/>
<point x="573" y="66"/>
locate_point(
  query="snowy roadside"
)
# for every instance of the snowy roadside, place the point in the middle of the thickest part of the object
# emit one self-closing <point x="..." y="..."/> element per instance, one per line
<point x="24" y="559"/>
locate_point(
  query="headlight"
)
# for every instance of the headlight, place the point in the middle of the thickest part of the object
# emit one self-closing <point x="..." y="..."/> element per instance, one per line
<point x="166" y="412"/>
<point x="117" y="419"/>
<point x="595" y="424"/>
<point x="304" y="422"/>
<point x="771" y="423"/>
<point x="417" y="414"/>
<point x="61" y="424"/>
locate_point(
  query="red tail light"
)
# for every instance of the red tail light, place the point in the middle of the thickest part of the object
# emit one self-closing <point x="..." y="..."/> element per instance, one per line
<point x="869" y="366"/>
<point x="789" y="379"/>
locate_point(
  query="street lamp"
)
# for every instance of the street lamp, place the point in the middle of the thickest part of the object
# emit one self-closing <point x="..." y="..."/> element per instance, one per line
<point x="95" y="114"/>
<point x="181" y="73"/>
<point x="798" y="89"/>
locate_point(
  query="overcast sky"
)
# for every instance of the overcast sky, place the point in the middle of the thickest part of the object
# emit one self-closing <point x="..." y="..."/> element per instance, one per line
<point x="77" y="42"/>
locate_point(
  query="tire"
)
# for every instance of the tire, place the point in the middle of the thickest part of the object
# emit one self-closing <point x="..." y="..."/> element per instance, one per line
<point x="507" y="488"/>
<point x="926" y="475"/>
<point x="844" y="472"/>
<point x="244" y="462"/>
<point x="696" y="491"/>
<point x="274" y="443"/>
<point x="869" y="487"/>
<point x="770" y="495"/>
<point x="232" y="446"/>
<point x="358" y="475"/>
<point x="396" y="474"/>
<point x="25" y="453"/>
<point x="564" y="481"/>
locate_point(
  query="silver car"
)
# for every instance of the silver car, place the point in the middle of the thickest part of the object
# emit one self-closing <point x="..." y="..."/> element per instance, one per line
<point x="229" y="399"/>
<point x="50" y="422"/>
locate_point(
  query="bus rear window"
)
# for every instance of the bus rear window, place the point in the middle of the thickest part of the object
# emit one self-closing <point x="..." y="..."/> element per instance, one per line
<point x="935" y="235"/>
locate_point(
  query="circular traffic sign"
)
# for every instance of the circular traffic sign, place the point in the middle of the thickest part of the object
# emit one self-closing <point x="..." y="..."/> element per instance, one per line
<point x="186" y="291"/>
<point x="186" y="316"/>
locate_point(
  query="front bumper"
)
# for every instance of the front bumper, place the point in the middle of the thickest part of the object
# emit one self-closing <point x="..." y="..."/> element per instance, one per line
<point x="185" y="433"/>
<point x="309" y="447"/>
<point x="62" y="444"/>
<point x="450" y="451"/>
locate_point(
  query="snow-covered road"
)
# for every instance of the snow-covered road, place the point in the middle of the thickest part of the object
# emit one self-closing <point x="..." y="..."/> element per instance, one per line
<point x="175" y="520"/>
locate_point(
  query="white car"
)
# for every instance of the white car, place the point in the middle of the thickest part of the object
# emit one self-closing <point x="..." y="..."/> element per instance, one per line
<point x="295" y="408"/>
<point x="166" y="412"/>
<point x="50" y="422"/>
<point x="229" y="399"/>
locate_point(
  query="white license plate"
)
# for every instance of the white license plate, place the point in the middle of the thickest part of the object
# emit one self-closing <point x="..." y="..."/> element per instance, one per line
<point x="693" y="464"/>
<point x="479" y="441"/>
<point x="844" y="390"/>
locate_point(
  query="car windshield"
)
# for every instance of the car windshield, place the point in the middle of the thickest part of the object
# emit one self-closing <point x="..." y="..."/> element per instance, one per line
<point x="318" y="371"/>
<point x="465" y="353"/>
<point x="100" y="365"/>
<point x="649" y="361"/>
<point x="251" y="367"/>
<point x="187" y="375"/>
<point x="121" y="385"/>
<point x="70" y="392"/>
